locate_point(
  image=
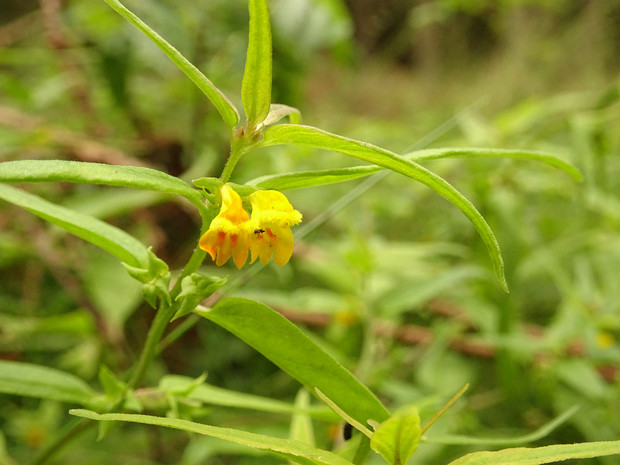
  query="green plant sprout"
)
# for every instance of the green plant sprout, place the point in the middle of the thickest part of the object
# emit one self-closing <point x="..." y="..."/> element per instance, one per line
<point x="229" y="231"/>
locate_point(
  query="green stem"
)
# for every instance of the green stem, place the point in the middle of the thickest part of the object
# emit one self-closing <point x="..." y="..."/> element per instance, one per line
<point x="235" y="155"/>
<point x="149" y="351"/>
<point x="156" y="331"/>
<point x="185" y="325"/>
<point x="240" y="142"/>
<point x="162" y="318"/>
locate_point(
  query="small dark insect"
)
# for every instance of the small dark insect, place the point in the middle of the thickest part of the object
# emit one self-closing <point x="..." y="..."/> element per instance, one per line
<point x="347" y="431"/>
<point x="259" y="231"/>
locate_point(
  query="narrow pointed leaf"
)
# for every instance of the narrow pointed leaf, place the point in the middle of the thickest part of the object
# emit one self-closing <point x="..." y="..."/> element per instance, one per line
<point x="541" y="455"/>
<point x="227" y="110"/>
<point x="26" y="379"/>
<point x="303" y="179"/>
<point x="309" y="136"/>
<point x="213" y="395"/>
<point x="137" y="177"/>
<point x="294" y="352"/>
<point x="109" y="238"/>
<point x="475" y="152"/>
<point x="286" y="448"/>
<point x="256" y="84"/>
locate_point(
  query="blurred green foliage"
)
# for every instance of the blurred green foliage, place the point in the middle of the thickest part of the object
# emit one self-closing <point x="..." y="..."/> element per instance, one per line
<point x="396" y="283"/>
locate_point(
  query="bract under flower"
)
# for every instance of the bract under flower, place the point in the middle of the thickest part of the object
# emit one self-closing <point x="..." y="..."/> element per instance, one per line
<point x="272" y="218"/>
<point x="229" y="232"/>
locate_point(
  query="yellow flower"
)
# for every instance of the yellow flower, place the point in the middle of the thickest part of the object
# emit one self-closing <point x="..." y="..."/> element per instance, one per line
<point x="268" y="232"/>
<point x="272" y="218"/>
<point x="229" y="232"/>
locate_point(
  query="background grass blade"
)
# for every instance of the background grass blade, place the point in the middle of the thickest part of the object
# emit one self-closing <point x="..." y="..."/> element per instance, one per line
<point x="286" y="448"/>
<point x="114" y="240"/>
<point x="313" y="137"/>
<point x="288" y="347"/>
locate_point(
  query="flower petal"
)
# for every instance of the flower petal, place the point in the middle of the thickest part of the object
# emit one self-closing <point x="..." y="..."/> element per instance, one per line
<point x="228" y="234"/>
<point x="273" y="208"/>
<point x="283" y="248"/>
<point x="241" y="250"/>
<point x="232" y="207"/>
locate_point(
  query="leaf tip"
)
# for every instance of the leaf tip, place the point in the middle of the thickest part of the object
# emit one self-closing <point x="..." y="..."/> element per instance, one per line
<point x="498" y="267"/>
<point x="80" y="412"/>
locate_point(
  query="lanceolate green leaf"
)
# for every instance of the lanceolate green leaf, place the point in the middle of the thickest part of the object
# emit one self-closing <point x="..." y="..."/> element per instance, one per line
<point x="320" y="177"/>
<point x="256" y="84"/>
<point x="474" y="152"/>
<point x="213" y="395"/>
<point x="295" y="353"/>
<point x="25" y="379"/>
<point x="309" y="136"/>
<point x="541" y="455"/>
<point x="104" y="235"/>
<point x="302" y="179"/>
<point x="227" y="110"/>
<point x="296" y="451"/>
<point x="96" y="173"/>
